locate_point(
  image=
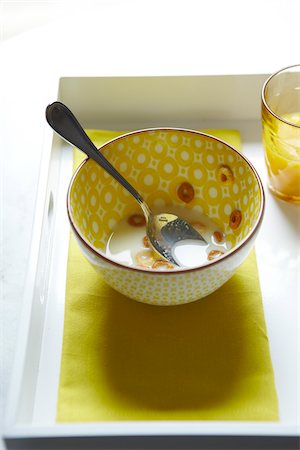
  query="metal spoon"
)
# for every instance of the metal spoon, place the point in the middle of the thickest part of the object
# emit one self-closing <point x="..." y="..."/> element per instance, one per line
<point x="163" y="230"/>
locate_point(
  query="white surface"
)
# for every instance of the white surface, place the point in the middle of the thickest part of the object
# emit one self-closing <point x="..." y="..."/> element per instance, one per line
<point x="109" y="38"/>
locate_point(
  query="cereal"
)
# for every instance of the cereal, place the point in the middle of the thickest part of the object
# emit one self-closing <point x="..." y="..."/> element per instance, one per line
<point x="142" y="266"/>
<point x="199" y="227"/>
<point x="225" y="175"/>
<point x="218" y="236"/>
<point x="130" y="245"/>
<point x="235" y="219"/>
<point x="213" y="254"/>
<point x="159" y="264"/>
<point x="146" y="241"/>
<point x="186" y="192"/>
<point x="137" y="220"/>
<point x="145" y="257"/>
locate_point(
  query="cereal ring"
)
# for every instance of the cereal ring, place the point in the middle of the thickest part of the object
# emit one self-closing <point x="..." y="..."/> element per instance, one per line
<point x="218" y="236"/>
<point x="186" y="192"/>
<point x="159" y="264"/>
<point x="142" y="266"/>
<point x="145" y="257"/>
<point x="137" y="220"/>
<point x="213" y="254"/>
<point x="225" y="175"/>
<point x="199" y="227"/>
<point x="146" y="241"/>
<point x="235" y="219"/>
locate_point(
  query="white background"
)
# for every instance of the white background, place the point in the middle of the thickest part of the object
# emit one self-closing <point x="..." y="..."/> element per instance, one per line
<point x="42" y="40"/>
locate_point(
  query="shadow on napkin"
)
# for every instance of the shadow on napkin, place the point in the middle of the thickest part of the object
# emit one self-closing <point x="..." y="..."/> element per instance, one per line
<point x="174" y="358"/>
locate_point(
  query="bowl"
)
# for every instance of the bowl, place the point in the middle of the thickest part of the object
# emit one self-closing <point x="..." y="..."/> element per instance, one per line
<point x="158" y="162"/>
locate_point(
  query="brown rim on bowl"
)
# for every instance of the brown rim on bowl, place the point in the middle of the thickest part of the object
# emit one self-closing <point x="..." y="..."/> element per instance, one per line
<point x="264" y="101"/>
<point x="184" y="270"/>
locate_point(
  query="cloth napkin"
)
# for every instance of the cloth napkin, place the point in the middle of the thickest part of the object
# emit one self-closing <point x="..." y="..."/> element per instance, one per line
<point x="124" y="360"/>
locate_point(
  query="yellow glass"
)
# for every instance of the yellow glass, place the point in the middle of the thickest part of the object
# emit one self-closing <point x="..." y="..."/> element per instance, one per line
<point x="281" y="132"/>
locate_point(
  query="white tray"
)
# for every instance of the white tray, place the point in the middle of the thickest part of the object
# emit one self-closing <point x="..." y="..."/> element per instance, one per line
<point x="130" y="103"/>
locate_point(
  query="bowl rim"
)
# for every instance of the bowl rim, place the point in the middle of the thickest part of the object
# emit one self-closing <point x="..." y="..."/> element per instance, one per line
<point x="235" y="249"/>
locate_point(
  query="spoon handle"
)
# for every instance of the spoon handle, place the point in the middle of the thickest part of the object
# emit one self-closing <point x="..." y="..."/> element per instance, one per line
<point x="63" y="121"/>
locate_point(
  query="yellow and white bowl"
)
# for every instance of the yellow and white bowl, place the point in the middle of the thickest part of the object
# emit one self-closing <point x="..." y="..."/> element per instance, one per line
<point x="156" y="162"/>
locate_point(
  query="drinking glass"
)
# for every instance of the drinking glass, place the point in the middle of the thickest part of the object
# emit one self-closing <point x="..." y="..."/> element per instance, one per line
<point x="281" y="132"/>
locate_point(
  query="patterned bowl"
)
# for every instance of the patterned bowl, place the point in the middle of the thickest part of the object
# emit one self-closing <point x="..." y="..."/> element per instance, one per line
<point x="157" y="161"/>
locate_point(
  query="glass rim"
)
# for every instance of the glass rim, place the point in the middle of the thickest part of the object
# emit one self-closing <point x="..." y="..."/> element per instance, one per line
<point x="264" y="98"/>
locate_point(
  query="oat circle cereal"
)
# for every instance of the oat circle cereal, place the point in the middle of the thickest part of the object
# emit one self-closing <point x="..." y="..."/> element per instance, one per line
<point x="186" y="192"/>
<point x="213" y="254"/>
<point x="137" y="220"/>
<point x="235" y="219"/>
<point x="225" y="175"/>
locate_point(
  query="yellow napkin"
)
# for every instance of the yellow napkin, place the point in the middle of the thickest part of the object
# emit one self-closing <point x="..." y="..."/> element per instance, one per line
<point x="124" y="360"/>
